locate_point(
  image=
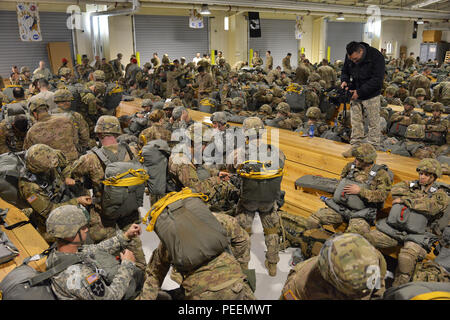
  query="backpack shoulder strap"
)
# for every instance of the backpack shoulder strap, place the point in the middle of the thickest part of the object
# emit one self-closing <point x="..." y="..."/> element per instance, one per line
<point x="100" y="153"/>
<point x="127" y="147"/>
<point x="67" y="262"/>
<point x="374" y="171"/>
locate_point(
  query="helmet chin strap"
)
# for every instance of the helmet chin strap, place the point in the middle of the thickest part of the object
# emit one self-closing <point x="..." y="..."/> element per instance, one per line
<point x="81" y="242"/>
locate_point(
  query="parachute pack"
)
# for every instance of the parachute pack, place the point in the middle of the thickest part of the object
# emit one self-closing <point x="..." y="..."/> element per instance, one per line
<point x="296" y="97"/>
<point x="12" y="165"/>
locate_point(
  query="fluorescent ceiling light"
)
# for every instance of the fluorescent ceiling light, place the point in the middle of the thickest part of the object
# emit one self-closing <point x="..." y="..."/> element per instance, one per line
<point x="205" y="9"/>
<point x="226" y="23"/>
<point x="340" y="16"/>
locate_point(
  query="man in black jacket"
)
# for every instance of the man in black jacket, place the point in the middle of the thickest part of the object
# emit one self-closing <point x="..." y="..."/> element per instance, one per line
<point x="362" y="75"/>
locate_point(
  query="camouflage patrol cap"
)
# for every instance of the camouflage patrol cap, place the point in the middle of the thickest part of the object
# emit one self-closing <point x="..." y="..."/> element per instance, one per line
<point x="349" y="262"/>
<point x="108" y="124"/>
<point x="147" y="103"/>
<point x="65" y="221"/>
<point x="314" y="77"/>
<point x="283" y="108"/>
<point x="41" y="158"/>
<point x="62" y="95"/>
<point x="219" y="116"/>
<point x="410" y="101"/>
<point x="415" y="131"/>
<point x="99" y="75"/>
<point x="430" y="165"/>
<point x="24" y="69"/>
<point x="437" y="106"/>
<point x="177" y="112"/>
<point x="313" y="113"/>
<point x="420" y="92"/>
<point x="37" y="104"/>
<point x="252" y="123"/>
<point x="64" y="71"/>
<point x="265" y="108"/>
<point x="391" y="90"/>
<point x="168" y="105"/>
<point x="365" y="153"/>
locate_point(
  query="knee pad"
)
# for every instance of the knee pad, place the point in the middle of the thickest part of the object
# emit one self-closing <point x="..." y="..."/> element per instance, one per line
<point x="407" y="260"/>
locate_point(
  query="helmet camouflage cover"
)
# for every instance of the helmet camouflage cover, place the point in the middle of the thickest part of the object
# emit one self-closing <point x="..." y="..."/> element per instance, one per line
<point x="108" y="124"/>
<point x="200" y="132"/>
<point x="437" y="106"/>
<point x="219" y="116"/>
<point x="62" y="95"/>
<point x="366" y="153"/>
<point x="65" y="221"/>
<point x="99" y="75"/>
<point x="420" y="92"/>
<point x="38" y="103"/>
<point x="415" y="131"/>
<point x="64" y="71"/>
<point x="252" y="123"/>
<point x="430" y="165"/>
<point x="41" y="158"/>
<point x="265" y="108"/>
<point x="346" y="261"/>
<point x="313" y="113"/>
<point x="284" y="108"/>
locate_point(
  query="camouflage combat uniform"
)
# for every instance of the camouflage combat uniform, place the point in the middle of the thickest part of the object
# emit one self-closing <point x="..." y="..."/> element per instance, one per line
<point x="420" y="81"/>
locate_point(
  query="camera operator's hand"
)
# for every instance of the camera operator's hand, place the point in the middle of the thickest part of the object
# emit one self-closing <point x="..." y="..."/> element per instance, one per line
<point x="355" y="95"/>
<point x="344" y="85"/>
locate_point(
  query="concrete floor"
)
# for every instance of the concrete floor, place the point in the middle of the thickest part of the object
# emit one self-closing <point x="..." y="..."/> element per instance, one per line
<point x="267" y="287"/>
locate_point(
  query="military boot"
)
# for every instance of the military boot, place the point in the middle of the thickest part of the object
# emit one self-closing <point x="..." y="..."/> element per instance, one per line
<point x="272" y="268"/>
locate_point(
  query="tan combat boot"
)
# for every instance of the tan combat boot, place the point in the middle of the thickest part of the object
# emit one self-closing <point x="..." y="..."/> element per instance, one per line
<point x="272" y="268"/>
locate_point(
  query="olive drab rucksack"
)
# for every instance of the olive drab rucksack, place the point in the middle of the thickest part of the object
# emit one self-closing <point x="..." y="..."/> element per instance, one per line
<point x="8" y="250"/>
<point x="155" y="156"/>
<point x="113" y="96"/>
<point x="296" y="97"/>
<point x="124" y="184"/>
<point x="188" y="230"/>
<point x="75" y="90"/>
<point x="316" y="183"/>
<point x="208" y="105"/>
<point x="12" y="167"/>
<point x="419" y="290"/>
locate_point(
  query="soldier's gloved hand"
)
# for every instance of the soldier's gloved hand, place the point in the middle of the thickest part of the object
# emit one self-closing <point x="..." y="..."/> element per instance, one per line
<point x="127" y="255"/>
<point x="133" y="231"/>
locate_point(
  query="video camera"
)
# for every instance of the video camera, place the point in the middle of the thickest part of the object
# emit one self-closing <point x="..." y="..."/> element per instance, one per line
<point x="338" y="95"/>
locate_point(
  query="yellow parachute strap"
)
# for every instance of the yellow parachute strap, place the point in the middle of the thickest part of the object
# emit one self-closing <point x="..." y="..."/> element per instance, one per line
<point x="265" y="174"/>
<point x="13" y="86"/>
<point x="139" y="177"/>
<point x="294" y="88"/>
<point x="116" y="89"/>
<point x="144" y="142"/>
<point x="162" y="203"/>
<point x="206" y="102"/>
<point x="435" y="295"/>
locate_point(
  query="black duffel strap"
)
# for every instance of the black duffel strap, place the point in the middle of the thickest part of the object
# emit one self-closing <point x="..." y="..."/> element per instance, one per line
<point x="68" y="261"/>
<point x="3" y="213"/>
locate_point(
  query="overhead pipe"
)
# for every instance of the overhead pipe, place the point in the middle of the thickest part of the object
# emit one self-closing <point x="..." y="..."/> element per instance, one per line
<point x="135" y="6"/>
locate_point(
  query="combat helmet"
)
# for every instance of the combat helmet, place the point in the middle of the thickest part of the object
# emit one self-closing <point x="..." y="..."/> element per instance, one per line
<point x="147" y="103"/>
<point x="219" y="116"/>
<point x="415" y="132"/>
<point x="430" y="165"/>
<point x="65" y="221"/>
<point x="36" y="104"/>
<point x="351" y="264"/>
<point x="420" y="92"/>
<point x="40" y="158"/>
<point x="283" y="108"/>
<point x="391" y="90"/>
<point x="411" y="101"/>
<point x="99" y="75"/>
<point x="250" y="123"/>
<point x="314" y="77"/>
<point x="108" y="124"/>
<point x="237" y="102"/>
<point x="62" y="95"/>
<point x="313" y="113"/>
<point x="266" y="109"/>
<point x="200" y="132"/>
<point x="365" y="153"/>
<point x="177" y="112"/>
<point x="437" y="106"/>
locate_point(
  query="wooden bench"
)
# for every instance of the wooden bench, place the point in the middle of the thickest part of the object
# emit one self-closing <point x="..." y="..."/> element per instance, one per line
<point x="26" y="238"/>
<point x="396" y="108"/>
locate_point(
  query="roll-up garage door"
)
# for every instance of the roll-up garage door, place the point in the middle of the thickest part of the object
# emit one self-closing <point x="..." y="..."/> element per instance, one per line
<point x="14" y="51"/>
<point x="171" y="35"/>
<point x="278" y="36"/>
<point x="339" y="34"/>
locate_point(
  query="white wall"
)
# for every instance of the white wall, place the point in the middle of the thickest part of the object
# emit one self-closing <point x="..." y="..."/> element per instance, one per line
<point x="399" y="32"/>
<point x="120" y="38"/>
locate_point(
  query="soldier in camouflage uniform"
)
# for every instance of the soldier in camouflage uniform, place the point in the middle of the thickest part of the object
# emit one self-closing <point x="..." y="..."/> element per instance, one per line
<point x="267" y="210"/>
<point x="302" y="74"/>
<point x="425" y="198"/>
<point x="117" y="66"/>
<point x="156" y="129"/>
<point x="420" y="81"/>
<point x="25" y="77"/>
<point x="313" y="115"/>
<point x="204" y="83"/>
<point x="284" y="119"/>
<point x="45" y="185"/>
<point x="221" y="278"/>
<point x="286" y="63"/>
<point x="84" y="69"/>
<point x="441" y="93"/>
<point x="342" y="129"/>
<point x="438" y="125"/>
<point x="367" y="183"/>
<point x="222" y="69"/>
<point x="90" y="168"/>
<point x="180" y="118"/>
<point x="420" y="94"/>
<point x="92" y="99"/>
<point x="414" y="145"/>
<point x="327" y="74"/>
<point x="257" y="60"/>
<point x="265" y="113"/>
<point x="55" y="131"/>
<point x="390" y="94"/>
<point x="232" y="86"/>
<point x="407" y="116"/>
<point x="14" y="128"/>
<point x="86" y="279"/>
<point x="342" y="271"/>
<point x="63" y="98"/>
<point x="108" y="70"/>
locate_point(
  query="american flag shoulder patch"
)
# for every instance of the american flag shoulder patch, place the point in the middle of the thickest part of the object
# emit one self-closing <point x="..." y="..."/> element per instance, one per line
<point x="92" y="278"/>
<point x="31" y="198"/>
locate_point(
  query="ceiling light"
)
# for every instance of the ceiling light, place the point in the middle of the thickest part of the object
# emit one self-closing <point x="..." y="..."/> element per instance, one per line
<point x="340" y="16"/>
<point x="226" y="24"/>
<point x="420" y="21"/>
<point x="205" y="9"/>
